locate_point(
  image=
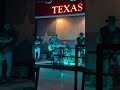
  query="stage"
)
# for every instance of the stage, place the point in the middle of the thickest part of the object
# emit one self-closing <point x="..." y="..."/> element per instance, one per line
<point x="50" y="63"/>
<point x="50" y="79"/>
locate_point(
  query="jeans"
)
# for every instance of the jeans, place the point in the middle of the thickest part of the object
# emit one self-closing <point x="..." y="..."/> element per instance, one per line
<point x="115" y="60"/>
<point x="81" y="53"/>
<point x="7" y="55"/>
<point x="107" y="80"/>
<point x="37" y="50"/>
<point x="117" y="65"/>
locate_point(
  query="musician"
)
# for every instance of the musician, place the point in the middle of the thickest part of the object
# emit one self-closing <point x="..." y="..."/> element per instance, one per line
<point x="110" y="34"/>
<point x="38" y="43"/>
<point x="81" y="41"/>
<point x="54" y="43"/>
<point x="7" y="40"/>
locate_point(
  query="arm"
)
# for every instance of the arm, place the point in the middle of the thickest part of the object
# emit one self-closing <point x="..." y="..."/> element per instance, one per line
<point x="99" y="41"/>
<point x="7" y="40"/>
<point x="75" y="41"/>
<point x="99" y="38"/>
<point x="50" y="41"/>
<point x="59" y="43"/>
<point x="83" y="43"/>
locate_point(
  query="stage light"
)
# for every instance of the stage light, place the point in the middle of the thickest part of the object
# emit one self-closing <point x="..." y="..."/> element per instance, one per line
<point x="72" y="0"/>
<point x="60" y="20"/>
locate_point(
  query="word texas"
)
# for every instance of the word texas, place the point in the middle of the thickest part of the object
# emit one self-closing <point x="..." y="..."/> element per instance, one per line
<point x="67" y="8"/>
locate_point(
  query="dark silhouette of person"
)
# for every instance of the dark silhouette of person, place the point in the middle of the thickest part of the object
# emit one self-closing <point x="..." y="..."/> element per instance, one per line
<point x="7" y="41"/>
<point x="109" y="34"/>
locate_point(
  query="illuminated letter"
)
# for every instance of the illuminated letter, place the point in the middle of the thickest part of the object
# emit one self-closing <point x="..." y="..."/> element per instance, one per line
<point x="60" y="9"/>
<point x="80" y="7"/>
<point x="54" y="8"/>
<point x="73" y="8"/>
<point x="66" y="8"/>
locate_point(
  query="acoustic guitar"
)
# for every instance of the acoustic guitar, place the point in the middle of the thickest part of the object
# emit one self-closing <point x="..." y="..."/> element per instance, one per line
<point x="53" y="47"/>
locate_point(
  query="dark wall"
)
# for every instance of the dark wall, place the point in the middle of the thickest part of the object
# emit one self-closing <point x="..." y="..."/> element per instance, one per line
<point x="16" y="11"/>
<point x="98" y="10"/>
<point x="91" y="46"/>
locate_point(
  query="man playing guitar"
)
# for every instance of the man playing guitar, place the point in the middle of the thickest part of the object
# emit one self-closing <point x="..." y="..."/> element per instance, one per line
<point x="54" y="44"/>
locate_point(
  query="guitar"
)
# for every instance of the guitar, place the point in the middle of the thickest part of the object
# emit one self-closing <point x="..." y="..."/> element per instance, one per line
<point x="53" y="47"/>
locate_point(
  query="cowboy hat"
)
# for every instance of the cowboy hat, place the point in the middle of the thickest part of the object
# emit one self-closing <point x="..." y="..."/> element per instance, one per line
<point x="81" y="33"/>
<point x="111" y="19"/>
<point x="55" y="35"/>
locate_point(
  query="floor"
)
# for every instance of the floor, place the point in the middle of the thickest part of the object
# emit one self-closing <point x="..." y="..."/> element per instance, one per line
<point x="17" y="85"/>
<point x="50" y="79"/>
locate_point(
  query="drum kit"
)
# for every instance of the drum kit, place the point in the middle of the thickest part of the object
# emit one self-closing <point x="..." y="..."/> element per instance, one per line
<point x="66" y="54"/>
<point x="69" y="59"/>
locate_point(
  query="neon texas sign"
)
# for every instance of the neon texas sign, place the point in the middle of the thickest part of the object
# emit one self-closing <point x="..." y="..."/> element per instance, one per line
<point x="70" y="8"/>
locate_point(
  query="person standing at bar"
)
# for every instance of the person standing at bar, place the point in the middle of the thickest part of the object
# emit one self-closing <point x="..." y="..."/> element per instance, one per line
<point x="110" y="34"/>
<point x="7" y="40"/>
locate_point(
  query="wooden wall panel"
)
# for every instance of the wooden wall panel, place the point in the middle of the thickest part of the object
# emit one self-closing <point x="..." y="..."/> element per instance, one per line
<point x="67" y="28"/>
<point x="70" y="27"/>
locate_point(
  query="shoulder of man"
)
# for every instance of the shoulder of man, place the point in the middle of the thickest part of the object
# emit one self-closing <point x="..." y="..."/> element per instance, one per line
<point x="104" y="27"/>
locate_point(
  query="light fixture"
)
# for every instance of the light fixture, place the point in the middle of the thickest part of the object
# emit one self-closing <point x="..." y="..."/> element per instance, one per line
<point x="48" y="1"/>
<point x="72" y="0"/>
<point x="59" y="20"/>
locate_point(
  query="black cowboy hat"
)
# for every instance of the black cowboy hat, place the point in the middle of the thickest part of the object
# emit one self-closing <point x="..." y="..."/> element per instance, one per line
<point x="111" y="19"/>
<point x="55" y="35"/>
<point x="81" y="33"/>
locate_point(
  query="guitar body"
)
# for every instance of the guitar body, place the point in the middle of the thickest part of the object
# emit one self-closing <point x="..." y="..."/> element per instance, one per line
<point x="51" y="47"/>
